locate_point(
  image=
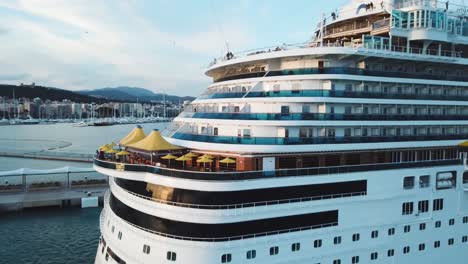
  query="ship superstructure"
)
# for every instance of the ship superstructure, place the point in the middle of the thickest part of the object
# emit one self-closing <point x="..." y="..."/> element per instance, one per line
<point x="350" y="148"/>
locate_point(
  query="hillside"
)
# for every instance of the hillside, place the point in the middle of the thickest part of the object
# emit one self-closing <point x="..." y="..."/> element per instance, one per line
<point x="132" y="94"/>
<point x="42" y="92"/>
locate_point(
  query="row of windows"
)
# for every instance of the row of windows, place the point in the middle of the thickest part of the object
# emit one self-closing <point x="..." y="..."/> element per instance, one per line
<point x="364" y="86"/>
<point x="251" y="254"/>
<point x="171" y="256"/>
<point x="305" y="108"/>
<point x="407" y="208"/>
<point x="409" y="182"/>
<point x="314" y="131"/>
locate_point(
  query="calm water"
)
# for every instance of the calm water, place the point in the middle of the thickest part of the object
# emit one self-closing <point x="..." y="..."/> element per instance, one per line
<point x="35" y="138"/>
<point x="49" y="236"/>
<point x="53" y="235"/>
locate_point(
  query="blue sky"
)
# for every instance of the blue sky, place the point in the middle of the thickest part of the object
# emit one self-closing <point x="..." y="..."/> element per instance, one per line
<point x="162" y="45"/>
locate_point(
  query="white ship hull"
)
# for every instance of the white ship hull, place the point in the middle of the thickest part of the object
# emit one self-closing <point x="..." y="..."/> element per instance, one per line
<point x="351" y="148"/>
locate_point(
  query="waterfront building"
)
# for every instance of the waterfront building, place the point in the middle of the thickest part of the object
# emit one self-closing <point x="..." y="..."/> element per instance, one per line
<point x="350" y="148"/>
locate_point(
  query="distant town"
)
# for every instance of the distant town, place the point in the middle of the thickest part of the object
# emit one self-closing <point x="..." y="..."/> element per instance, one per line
<point x="44" y="109"/>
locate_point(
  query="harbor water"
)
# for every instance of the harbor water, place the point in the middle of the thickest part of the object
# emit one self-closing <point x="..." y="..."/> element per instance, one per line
<point x="53" y="235"/>
<point x="49" y="235"/>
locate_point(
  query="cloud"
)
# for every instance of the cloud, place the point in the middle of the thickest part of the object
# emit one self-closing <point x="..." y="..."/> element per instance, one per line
<point x="13" y="77"/>
<point x="89" y="44"/>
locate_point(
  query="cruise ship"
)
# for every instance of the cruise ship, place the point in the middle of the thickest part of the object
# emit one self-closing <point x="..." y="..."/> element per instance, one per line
<point x="349" y="148"/>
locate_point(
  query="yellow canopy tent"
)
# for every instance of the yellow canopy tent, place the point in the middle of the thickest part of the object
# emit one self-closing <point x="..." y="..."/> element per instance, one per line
<point x="191" y="155"/>
<point x="105" y="147"/>
<point x="204" y="160"/>
<point x="183" y="159"/>
<point x="134" y="136"/>
<point x="112" y="151"/>
<point x="122" y="153"/>
<point x="153" y="142"/>
<point x="228" y="161"/>
<point x="208" y="156"/>
<point x="169" y="157"/>
<point x="463" y="144"/>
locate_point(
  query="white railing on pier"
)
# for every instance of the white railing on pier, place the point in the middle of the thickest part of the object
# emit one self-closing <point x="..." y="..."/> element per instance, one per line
<point x="29" y="180"/>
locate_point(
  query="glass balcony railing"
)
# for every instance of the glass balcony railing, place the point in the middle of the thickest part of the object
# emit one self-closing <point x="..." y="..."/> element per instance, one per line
<point x="334" y="93"/>
<point x="345" y="70"/>
<point x="310" y="140"/>
<point x="246" y="175"/>
<point x="321" y="116"/>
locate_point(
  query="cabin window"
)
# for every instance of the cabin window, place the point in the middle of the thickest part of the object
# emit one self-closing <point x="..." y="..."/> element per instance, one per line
<point x="423" y="206"/>
<point x="355" y="259"/>
<point x="337" y="240"/>
<point x="317" y="243"/>
<point x="274" y="251"/>
<point x="246" y="133"/>
<point x="424" y="181"/>
<point x="422" y="247"/>
<point x="295" y="247"/>
<point x="226" y="258"/>
<point x="438" y="204"/>
<point x="356" y="237"/>
<point x="408" y="182"/>
<point x="406" y="250"/>
<point x="171" y="256"/>
<point x="251" y="254"/>
<point x="146" y="249"/>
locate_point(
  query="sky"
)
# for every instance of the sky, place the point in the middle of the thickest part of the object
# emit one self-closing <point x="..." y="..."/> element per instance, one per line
<point x="161" y="45"/>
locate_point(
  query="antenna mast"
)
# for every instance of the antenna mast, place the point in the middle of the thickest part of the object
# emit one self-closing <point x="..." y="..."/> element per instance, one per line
<point x="322" y="24"/>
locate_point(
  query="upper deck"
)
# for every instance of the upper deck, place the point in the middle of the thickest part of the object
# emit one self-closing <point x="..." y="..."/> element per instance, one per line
<point x="421" y="30"/>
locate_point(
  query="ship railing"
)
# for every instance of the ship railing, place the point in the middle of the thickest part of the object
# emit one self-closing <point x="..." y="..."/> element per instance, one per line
<point x="337" y="70"/>
<point x="249" y="175"/>
<point x="319" y="116"/>
<point x="438" y="4"/>
<point x="315" y="44"/>
<point x="381" y="24"/>
<point x="290" y="141"/>
<point x="244" y="205"/>
<point x="230" y="238"/>
<point x="256" y="51"/>
<point x="459" y="96"/>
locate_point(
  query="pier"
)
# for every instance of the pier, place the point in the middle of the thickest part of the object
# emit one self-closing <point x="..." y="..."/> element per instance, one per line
<point x="50" y="155"/>
<point x="62" y="187"/>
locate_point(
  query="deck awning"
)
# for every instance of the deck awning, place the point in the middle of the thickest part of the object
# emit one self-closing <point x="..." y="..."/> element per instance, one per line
<point x="463" y="144"/>
<point x="153" y="142"/>
<point x="134" y="136"/>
